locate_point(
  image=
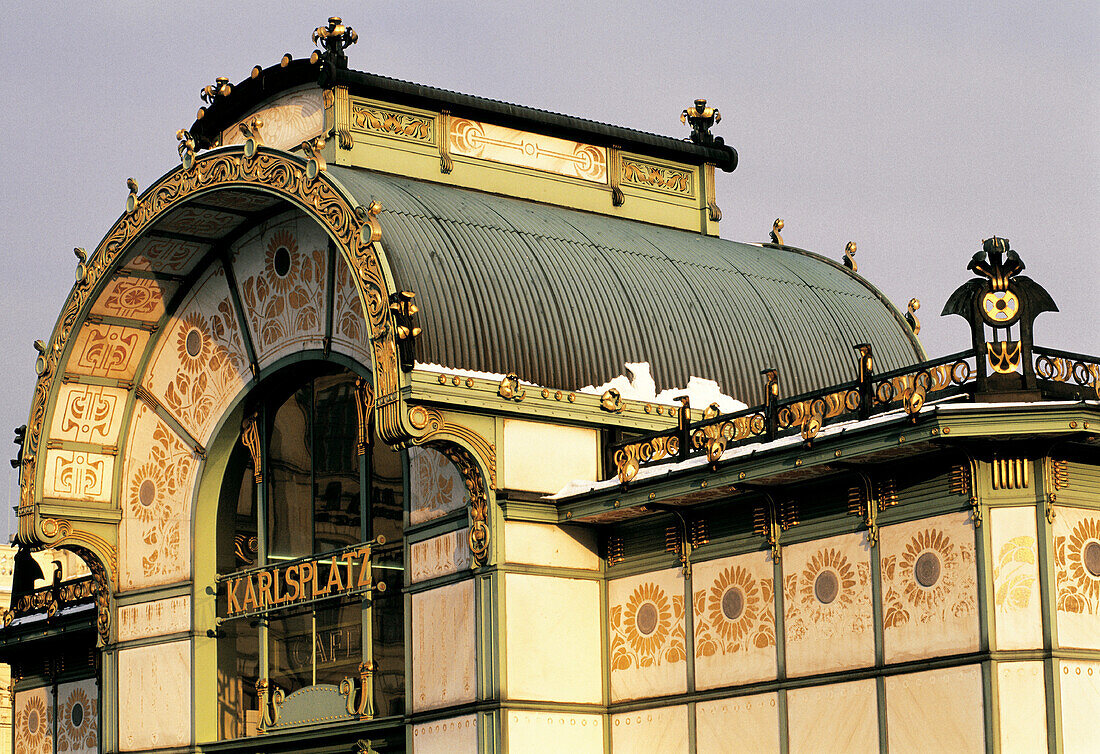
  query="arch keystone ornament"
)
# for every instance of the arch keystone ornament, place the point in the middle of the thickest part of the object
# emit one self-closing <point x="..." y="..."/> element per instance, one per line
<point x="356" y="233"/>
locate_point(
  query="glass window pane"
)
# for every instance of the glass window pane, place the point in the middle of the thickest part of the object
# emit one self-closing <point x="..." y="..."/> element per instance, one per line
<point x="339" y="642"/>
<point x="290" y="643"/>
<point x="238" y="671"/>
<point x="336" y="512"/>
<point x="290" y="491"/>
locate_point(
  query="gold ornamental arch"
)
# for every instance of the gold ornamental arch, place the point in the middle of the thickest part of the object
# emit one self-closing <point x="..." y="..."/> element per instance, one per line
<point x="356" y="232"/>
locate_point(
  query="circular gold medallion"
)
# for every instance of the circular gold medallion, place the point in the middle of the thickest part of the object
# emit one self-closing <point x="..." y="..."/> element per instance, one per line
<point x="1000" y="307"/>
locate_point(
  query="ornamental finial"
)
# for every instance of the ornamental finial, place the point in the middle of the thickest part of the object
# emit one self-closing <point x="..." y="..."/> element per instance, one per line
<point x="776" y="227"/>
<point x="850" y="256"/>
<point x="220" y="88"/>
<point x="701" y="118"/>
<point x="334" y="39"/>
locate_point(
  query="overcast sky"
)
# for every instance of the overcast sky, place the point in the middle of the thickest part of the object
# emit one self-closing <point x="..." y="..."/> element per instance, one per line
<point x="915" y="129"/>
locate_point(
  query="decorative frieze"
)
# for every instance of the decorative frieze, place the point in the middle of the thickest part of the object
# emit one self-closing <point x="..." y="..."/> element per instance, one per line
<point x="664" y="178"/>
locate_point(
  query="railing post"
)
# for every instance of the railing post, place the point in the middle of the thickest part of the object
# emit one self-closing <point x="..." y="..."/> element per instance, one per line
<point x="866" y="369"/>
<point x="683" y="425"/>
<point x="771" y="402"/>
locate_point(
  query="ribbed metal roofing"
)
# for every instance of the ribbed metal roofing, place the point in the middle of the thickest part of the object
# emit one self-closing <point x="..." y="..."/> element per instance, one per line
<point x="566" y="298"/>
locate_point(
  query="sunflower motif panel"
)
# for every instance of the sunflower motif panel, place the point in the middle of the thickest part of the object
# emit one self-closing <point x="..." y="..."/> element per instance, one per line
<point x="349" y="327"/>
<point x="1014" y="558"/>
<point x="78" y="717"/>
<point x="1079" y="685"/>
<point x="929" y="588"/>
<point x="1077" y="576"/>
<point x="827" y="605"/>
<point x="134" y="298"/>
<point x="435" y="485"/>
<point x="200" y="362"/>
<point x="749" y="723"/>
<point x="655" y="731"/>
<point x="281" y="272"/>
<point x="838" y="718"/>
<point x="734" y="608"/>
<point x="936" y="710"/>
<point x="32" y="719"/>
<point x="107" y="351"/>
<point x="647" y="629"/>
<point x="156" y="503"/>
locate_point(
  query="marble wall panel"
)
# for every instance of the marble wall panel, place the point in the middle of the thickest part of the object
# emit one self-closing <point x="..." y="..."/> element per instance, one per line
<point x="553" y="638"/>
<point x="1076" y="535"/>
<point x="281" y="271"/>
<point x="929" y="587"/>
<point x="840" y="718"/>
<point x="455" y="735"/>
<point x="78" y="475"/>
<point x="107" y="351"/>
<point x="827" y="605"/>
<point x="443" y="658"/>
<point x="937" y="710"/>
<point x="440" y="556"/>
<point x="646" y="619"/>
<point x="156" y="618"/>
<point x="435" y="486"/>
<point x="78" y="717"/>
<point x="88" y="413"/>
<point x="32" y="720"/>
<point x="746" y="724"/>
<point x="734" y="603"/>
<point x="554" y="732"/>
<point x="1022" y="703"/>
<point x="1079" y="685"/>
<point x="655" y="731"/>
<point x="158" y="477"/>
<point x="550" y="545"/>
<point x="164" y="255"/>
<point x="1014" y="559"/>
<point x="541" y="457"/>
<point x="287" y="121"/>
<point x="350" y="331"/>
<point x="200" y="362"/>
<point x="154" y="684"/>
<point x="134" y="298"/>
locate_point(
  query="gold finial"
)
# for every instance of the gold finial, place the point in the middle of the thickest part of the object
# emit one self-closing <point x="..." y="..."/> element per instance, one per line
<point x="334" y="39"/>
<point x="850" y="256"/>
<point x="186" y="148"/>
<point x="287" y="58"/>
<point x="81" y="264"/>
<point x="220" y="88"/>
<point x="776" y="227"/>
<point x="132" y="199"/>
<point x="256" y="71"/>
<point x="316" y="163"/>
<point x="911" y="315"/>
<point x="252" y="138"/>
<point x="701" y="118"/>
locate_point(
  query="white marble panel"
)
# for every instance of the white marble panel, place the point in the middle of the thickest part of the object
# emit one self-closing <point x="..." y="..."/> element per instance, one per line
<point x="929" y="587"/>
<point x="443" y="659"/>
<point x="747" y="724"/>
<point x="553" y="638"/>
<point x="287" y="121"/>
<point x="440" y="556"/>
<point x="839" y="718"/>
<point x="647" y="629"/>
<point x="827" y="611"/>
<point x="435" y="486"/>
<point x="1076" y="535"/>
<point x="937" y="710"/>
<point x="1080" y="694"/>
<point x="655" y="731"/>
<point x="734" y="603"/>
<point x="541" y="457"/>
<point x="550" y="545"/>
<point x="554" y="732"/>
<point x="1022" y="705"/>
<point x="152" y="681"/>
<point x="455" y="735"/>
<point x="78" y="717"/>
<point x="1014" y="559"/>
<point x="156" y="618"/>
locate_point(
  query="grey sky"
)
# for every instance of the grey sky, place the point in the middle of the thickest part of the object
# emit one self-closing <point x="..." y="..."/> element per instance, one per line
<point x="915" y="129"/>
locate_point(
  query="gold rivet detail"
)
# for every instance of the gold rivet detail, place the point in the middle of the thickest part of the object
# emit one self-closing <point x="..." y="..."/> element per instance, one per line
<point x="947" y="430"/>
<point x="901" y="438"/>
<point x="648" y="409"/>
<point x="616" y="504"/>
<point x="469" y="382"/>
<point x="703" y="483"/>
<point x="1073" y="425"/>
<point x="1085" y="425"/>
<point x="545" y="393"/>
<point x="455" y="380"/>
<point x="557" y="396"/>
<point x="837" y="453"/>
<point x="569" y="514"/>
<point x="442" y="379"/>
<point x="798" y="462"/>
<point x="572" y="398"/>
<point x="935" y="431"/>
<point x="652" y="495"/>
<point x="741" y="475"/>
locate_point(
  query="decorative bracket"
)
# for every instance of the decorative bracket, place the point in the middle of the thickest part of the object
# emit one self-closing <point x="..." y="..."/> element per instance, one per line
<point x="615" y="173"/>
<point x="250" y="437"/>
<point x="404" y="314"/>
<point x="271" y="700"/>
<point x="360" y="696"/>
<point x="364" y="407"/>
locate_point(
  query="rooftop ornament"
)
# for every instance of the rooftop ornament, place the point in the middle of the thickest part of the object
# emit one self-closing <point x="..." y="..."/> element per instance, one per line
<point x="850" y="256"/>
<point x="776" y="227"/>
<point x="333" y="39"/>
<point x="701" y="118"/>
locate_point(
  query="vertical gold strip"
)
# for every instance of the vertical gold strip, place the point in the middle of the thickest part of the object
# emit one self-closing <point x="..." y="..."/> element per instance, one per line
<point x="446" y="164"/>
<point x="713" y="211"/>
<point x="343" y="118"/>
<point x="996" y="473"/>
<point x="615" y="172"/>
<point x="1024" y="471"/>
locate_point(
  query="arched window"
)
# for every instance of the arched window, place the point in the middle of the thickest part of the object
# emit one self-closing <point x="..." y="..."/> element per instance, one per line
<point x="300" y="599"/>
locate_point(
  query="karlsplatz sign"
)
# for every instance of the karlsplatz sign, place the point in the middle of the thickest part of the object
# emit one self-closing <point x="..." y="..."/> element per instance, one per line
<point x="299" y="582"/>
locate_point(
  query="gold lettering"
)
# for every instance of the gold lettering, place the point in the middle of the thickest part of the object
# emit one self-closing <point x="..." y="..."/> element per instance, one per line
<point x="294" y="587"/>
<point x="364" y="570"/>
<point x="316" y="591"/>
<point x="334" y="577"/>
<point x="234" y="606"/>
<point x="263" y="587"/>
<point x="278" y="600"/>
<point x="249" y="593"/>
<point x="307" y="574"/>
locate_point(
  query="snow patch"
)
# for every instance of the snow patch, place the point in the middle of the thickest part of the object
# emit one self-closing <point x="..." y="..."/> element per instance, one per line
<point x="641" y="387"/>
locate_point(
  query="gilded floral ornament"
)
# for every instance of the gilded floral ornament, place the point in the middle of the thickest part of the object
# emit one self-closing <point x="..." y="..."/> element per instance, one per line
<point x="850" y="256"/>
<point x="1077" y="568"/>
<point x="186" y="148"/>
<point x="81" y="264"/>
<point x="213" y="92"/>
<point x="776" y="227"/>
<point x="612" y="400"/>
<point x="648" y="629"/>
<point x="911" y="315"/>
<point x="132" y="198"/>
<point x="734" y="614"/>
<point x="333" y="39"/>
<point x="509" y="388"/>
<point x="701" y="118"/>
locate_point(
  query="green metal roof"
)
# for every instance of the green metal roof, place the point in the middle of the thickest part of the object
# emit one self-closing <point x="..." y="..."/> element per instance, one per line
<point x="566" y="298"/>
